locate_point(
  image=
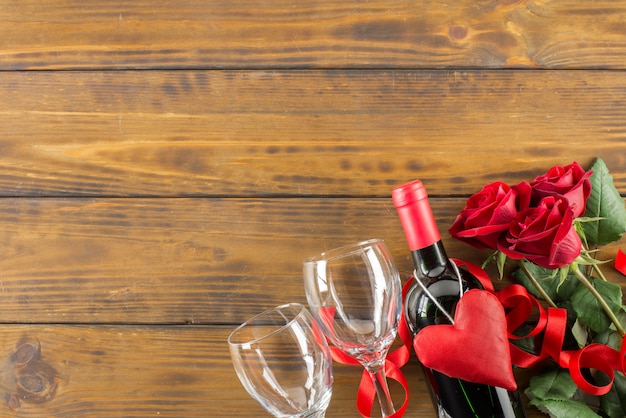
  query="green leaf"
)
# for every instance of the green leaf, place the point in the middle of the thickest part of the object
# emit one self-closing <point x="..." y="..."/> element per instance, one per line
<point x="565" y="409"/>
<point x="553" y="385"/>
<point x="617" y="343"/>
<point x="604" y="202"/>
<point x="556" y="286"/>
<point x="526" y="344"/>
<point x="499" y="258"/>
<point x="501" y="261"/>
<point x="552" y="393"/>
<point x="609" y="337"/>
<point x="614" y="402"/>
<point x="580" y="333"/>
<point x="589" y="311"/>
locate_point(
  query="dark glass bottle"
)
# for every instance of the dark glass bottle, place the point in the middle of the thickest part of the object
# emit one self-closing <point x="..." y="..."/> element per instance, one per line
<point x="452" y="397"/>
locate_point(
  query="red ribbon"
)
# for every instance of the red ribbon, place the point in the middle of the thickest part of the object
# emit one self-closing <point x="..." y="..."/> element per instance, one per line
<point x="553" y="324"/>
<point x="519" y="306"/>
<point x="366" y="395"/>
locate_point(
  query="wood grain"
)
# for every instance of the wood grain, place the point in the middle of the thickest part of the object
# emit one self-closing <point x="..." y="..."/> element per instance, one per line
<point x="281" y="34"/>
<point x="285" y="133"/>
<point x="151" y="261"/>
<point x="166" y="166"/>
<point x="141" y="371"/>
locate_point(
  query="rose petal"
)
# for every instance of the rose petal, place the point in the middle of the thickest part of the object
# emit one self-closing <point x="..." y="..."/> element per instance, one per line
<point x="620" y="262"/>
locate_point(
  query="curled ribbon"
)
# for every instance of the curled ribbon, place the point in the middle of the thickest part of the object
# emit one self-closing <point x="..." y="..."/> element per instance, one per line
<point x="518" y="305"/>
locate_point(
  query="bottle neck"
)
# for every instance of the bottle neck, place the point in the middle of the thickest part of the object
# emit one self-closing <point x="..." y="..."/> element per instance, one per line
<point x="420" y="229"/>
<point x="416" y="216"/>
<point x="430" y="261"/>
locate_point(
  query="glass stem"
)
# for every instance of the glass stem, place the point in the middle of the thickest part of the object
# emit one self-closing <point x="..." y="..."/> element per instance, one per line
<point x="382" y="391"/>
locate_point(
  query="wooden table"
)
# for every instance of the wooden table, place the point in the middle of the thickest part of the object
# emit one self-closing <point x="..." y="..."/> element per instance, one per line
<point x="166" y="166"/>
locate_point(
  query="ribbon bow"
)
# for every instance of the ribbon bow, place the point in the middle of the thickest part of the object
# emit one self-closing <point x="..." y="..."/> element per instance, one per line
<point x="366" y="395"/>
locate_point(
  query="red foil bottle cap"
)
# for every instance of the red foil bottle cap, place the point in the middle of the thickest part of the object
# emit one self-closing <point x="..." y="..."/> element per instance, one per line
<point x="416" y="216"/>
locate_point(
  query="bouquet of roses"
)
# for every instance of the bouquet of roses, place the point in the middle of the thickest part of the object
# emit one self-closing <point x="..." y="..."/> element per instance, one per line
<point x="552" y="227"/>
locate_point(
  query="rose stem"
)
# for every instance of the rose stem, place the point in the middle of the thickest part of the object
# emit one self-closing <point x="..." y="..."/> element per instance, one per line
<point x="598" y="271"/>
<point x="583" y="279"/>
<point x="534" y="281"/>
<point x="594" y="267"/>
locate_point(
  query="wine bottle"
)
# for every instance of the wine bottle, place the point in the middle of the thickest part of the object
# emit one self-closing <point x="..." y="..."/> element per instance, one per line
<point x="446" y="283"/>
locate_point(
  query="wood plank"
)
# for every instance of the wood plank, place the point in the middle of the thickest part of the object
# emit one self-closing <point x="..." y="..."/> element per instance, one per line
<point x="325" y="133"/>
<point x="350" y="34"/>
<point x="128" y="371"/>
<point x="143" y="214"/>
<point x="150" y="261"/>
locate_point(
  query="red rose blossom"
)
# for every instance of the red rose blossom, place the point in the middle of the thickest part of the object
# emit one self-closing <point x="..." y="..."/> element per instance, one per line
<point x="488" y="214"/>
<point x="543" y="234"/>
<point x="570" y="181"/>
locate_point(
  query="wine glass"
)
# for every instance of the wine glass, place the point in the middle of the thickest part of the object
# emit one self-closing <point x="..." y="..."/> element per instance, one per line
<point x="355" y="294"/>
<point x="283" y="361"/>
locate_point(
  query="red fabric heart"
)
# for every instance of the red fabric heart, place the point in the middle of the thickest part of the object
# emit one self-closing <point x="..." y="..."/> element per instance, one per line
<point x="475" y="348"/>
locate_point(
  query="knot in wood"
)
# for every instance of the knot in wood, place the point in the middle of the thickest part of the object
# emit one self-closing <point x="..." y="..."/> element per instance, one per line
<point x="26" y="351"/>
<point x="29" y="378"/>
<point x="36" y="383"/>
<point x="457" y="32"/>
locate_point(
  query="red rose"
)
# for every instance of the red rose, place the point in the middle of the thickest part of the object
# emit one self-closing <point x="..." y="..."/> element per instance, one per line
<point x="488" y="214"/>
<point x="570" y="181"/>
<point x="543" y="234"/>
